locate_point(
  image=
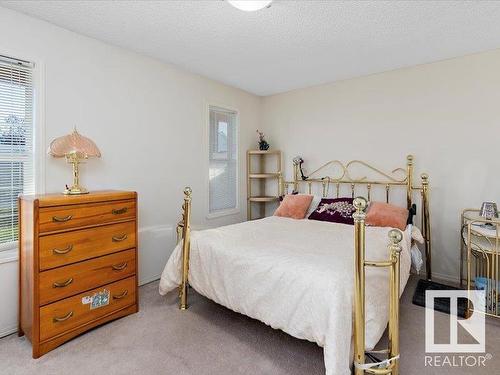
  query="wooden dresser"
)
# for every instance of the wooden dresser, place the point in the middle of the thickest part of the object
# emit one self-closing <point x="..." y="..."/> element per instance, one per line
<point x="77" y="264"/>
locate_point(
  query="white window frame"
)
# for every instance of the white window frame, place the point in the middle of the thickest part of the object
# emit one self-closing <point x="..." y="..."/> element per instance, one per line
<point x="9" y="251"/>
<point x="237" y="209"/>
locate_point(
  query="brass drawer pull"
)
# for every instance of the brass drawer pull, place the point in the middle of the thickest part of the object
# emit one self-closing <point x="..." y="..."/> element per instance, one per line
<point x="66" y="250"/>
<point x="63" y="284"/>
<point x="119" y="211"/>
<point x="61" y="219"/>
<point x="123" y="237"/>
<point x="63" y="318"/>
<point x="119" y="267"/>
<point x="120" y="296"/>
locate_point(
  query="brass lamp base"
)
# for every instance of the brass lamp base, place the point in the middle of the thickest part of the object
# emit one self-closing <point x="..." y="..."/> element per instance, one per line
<point x="75" y="190"/>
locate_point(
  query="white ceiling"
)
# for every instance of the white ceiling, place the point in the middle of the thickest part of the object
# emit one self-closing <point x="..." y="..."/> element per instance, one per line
<point x="290" y="45"/>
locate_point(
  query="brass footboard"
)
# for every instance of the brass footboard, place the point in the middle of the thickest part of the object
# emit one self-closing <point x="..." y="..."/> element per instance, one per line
<point x="391" y="364"/>
<point x="388" y="366"/>
<point x="183" y="234"/>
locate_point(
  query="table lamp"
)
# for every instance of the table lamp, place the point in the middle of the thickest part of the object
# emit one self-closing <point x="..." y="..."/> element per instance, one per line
<point x="488" y="211"/>
<point x="75" y="148"/>
<point x="297" y="162"/>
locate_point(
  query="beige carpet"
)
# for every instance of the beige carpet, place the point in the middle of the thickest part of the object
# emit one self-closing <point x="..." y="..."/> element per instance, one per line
<point x="209" y="339"/>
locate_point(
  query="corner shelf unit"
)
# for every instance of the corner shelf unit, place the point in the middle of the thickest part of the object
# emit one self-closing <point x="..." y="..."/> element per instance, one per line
<point x="262" y="178"/>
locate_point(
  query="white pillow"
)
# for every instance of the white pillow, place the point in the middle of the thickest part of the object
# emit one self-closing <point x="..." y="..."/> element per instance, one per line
<point x="314" y="204"/>
<point x="414" y="234"/>
<point x="416" y="258"/>
<point x="417" y="235"/>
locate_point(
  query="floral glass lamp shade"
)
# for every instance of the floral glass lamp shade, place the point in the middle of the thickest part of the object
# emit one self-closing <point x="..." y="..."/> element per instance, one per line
<point x="488" y="211"/>
<point x="75" y="148"/>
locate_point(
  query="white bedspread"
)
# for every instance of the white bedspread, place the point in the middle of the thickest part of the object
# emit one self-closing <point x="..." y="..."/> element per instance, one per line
<point x="294" y="275"/>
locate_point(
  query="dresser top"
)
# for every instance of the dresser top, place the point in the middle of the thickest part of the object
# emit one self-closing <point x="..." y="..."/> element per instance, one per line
<point x="59" y="199"/>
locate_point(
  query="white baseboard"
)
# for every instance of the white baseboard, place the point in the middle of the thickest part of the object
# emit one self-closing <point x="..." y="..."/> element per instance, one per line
<point x="445" y="277"/>
<point x="438" y="276"/>
<point x="8" y="331"/>
<point x="149" y="279"/>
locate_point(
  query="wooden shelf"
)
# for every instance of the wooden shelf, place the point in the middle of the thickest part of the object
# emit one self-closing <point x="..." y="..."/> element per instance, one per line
<point x="260" y="179"/>
<point x="263" y="152"/>
<point x="263" y="199"/>
<point x="263" y="175"/>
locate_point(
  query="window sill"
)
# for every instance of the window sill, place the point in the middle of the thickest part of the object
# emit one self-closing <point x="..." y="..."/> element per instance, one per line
<point x="8" y="256"/>
<point x="215" y="215"/>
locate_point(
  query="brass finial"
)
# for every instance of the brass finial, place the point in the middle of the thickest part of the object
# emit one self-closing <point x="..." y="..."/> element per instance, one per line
<point x="359" y="204"/>
<point x="395" y="236"/>
<point x="409" y="160"/>
<point x="425" y="178"/>
<point x="187" y="191"/>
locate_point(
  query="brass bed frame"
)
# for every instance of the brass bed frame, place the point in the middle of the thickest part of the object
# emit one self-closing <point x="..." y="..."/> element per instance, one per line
<point x="402" y="177"/>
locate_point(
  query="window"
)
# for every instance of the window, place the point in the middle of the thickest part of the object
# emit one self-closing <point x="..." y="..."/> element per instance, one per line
<point x="16" y="143"/>
<point x="223" y="161"/>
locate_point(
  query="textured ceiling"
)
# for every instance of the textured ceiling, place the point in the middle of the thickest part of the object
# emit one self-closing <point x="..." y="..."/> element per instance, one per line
<point x="290" y="45"/>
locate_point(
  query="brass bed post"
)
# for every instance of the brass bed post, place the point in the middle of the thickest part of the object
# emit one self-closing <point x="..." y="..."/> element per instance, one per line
<point x="395" y="248"/>
<point x="409" y="180"/>
<point x="426" y="224"/>
<point x="186" y="229"/>
<point x="359" y="283"/>
<point x="281" y="185"/>
<point x="391" y="365"/>
<point x="296" y="172"/>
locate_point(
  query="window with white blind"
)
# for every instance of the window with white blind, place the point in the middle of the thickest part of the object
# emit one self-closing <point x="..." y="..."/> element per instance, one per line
<point x="223" y="161"/>
<point x="16" y="143"/>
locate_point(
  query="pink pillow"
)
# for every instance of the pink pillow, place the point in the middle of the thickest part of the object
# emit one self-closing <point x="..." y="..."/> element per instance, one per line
<point x="386" y="215"/>
<point x="294" y="206"/>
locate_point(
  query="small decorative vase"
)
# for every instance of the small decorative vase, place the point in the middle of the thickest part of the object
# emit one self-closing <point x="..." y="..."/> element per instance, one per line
<point x="263" y="146"/>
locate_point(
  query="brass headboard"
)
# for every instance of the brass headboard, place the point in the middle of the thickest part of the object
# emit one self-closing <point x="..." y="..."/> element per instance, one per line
<point x="402" y="177"/>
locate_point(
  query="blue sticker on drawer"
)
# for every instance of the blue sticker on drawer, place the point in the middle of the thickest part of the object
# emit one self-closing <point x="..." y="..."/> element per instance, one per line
<point x="97" y="300"/>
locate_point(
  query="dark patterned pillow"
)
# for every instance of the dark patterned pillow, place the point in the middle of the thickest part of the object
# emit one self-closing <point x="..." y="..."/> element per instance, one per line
<point x="338" y="210"/>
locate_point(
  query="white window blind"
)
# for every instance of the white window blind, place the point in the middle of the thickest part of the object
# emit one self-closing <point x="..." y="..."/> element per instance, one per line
<point x="16" y="143"/>
<point x="223" y="163"/>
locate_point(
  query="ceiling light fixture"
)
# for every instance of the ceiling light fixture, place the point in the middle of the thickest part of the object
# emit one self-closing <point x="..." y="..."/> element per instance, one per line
<point x="250" y="5"/>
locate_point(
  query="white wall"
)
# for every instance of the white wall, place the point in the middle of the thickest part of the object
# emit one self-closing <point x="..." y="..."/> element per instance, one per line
<point x="447" y="114"/>
<point x="149" y="120"/>
<point x="147" y="117"/>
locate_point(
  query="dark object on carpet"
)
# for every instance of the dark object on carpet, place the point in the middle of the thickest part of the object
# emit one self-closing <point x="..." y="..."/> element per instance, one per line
<point x="440" y="304"/>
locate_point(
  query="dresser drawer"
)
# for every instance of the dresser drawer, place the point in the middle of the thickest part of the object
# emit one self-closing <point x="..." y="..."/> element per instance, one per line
<point x="66" y="281"/>
<point x="82" y="215"/>
<point x="64" y="248"/>
<point x="69" y="313"/>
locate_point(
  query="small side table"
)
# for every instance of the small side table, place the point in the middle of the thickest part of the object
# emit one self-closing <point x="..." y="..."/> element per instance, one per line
<point x="480" y="257"/>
